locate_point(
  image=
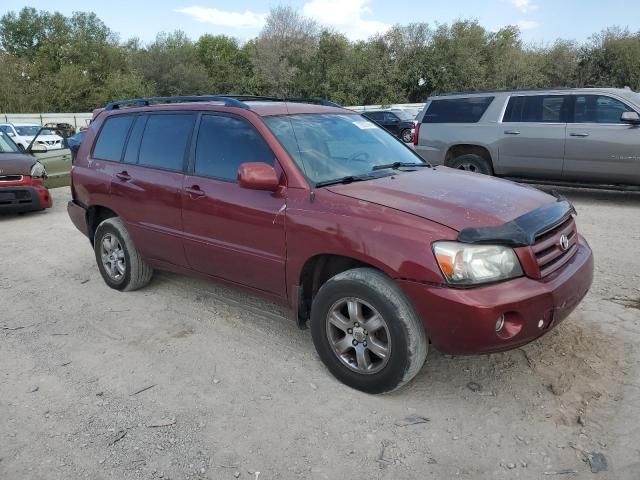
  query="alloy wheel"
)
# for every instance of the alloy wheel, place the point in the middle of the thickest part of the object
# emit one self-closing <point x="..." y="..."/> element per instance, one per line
<point x="358" y="335"/>
<point x="112" y="255"/>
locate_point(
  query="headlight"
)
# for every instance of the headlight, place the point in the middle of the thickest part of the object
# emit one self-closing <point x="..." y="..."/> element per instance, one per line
<point x="38" y="171"/>
<point x="465" y="264"/>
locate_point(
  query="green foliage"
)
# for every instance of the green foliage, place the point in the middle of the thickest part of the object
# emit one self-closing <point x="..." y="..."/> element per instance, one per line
<point x="51" y="62"/>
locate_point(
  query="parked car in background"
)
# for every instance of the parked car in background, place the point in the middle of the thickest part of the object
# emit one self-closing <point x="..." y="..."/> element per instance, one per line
<point x="64" y="130"/>
<point x="589" y="135"/>
<point x="398" y="122"/>
<point x="315" y="207"/>
<point x="24" y="133"/>
<point x="21" y="180"/>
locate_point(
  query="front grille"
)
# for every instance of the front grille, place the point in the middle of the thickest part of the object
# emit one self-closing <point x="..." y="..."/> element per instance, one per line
<point x="10" y="178"/>
<point x="547" y="250"/>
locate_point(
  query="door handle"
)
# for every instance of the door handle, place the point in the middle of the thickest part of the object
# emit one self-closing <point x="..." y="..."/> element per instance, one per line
<point x="579" y="134"/>
<point x="512" y="132"/>
<point x="194" y="191"/>
<point x="124" y="176"/>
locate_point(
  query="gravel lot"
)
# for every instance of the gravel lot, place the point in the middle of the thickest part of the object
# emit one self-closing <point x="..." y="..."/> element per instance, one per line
<point x="234" y="388"/>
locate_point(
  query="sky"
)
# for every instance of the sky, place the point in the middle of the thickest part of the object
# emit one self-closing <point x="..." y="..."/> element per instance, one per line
<point x="540" y="21"/>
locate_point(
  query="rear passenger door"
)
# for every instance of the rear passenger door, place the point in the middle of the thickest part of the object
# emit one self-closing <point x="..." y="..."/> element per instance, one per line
<point x="531" y="138"/>
<point x="600" y="147"/>
<point x="231" y="232"/>
<point x="147" y="186"/>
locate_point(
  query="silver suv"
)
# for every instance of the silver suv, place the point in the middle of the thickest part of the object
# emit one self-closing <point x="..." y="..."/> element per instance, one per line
<point x="589" y="135"/>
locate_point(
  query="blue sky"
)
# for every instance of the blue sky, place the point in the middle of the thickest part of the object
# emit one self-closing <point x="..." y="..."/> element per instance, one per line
<point x="541" y="21"/>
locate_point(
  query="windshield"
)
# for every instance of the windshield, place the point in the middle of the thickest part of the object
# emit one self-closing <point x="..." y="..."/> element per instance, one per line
<point x="31" y="131"/>
<point x="331" y="146"/>
<point x="6" y="144"/>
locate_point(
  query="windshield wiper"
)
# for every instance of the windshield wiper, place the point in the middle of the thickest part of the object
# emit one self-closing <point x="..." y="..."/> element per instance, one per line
<point x="396" y="165"/>
<point x="347" y="179"/>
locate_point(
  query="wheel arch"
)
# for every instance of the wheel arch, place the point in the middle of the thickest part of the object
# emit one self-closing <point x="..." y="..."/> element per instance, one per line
<point x="456" y="150"/>
<point x="315" y="272"/>
<point x="95" y="215"/>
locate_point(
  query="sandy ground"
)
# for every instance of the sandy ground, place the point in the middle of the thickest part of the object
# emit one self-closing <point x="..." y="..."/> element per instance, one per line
<point x="237" y="389"/>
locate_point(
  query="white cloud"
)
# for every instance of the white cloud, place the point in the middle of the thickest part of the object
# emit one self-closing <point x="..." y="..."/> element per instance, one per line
<point x="528" y="25"/>
<point x="346" y="16"/>
<point x="246" y="19"/>
<point x="525" y="6"/>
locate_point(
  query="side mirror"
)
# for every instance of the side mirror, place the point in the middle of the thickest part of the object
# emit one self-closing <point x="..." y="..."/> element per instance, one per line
<point x="38" y="148"/>
<point x="258" y="176"/>
<point x="11" y="134"/>
<point x="630" y="117"/>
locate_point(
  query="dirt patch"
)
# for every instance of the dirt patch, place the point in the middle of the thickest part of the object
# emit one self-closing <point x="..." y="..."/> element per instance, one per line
<point x="189" y="379"/>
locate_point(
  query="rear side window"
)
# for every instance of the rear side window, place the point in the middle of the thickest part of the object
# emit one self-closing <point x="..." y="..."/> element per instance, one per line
<point x="375" y="116"/>
<point x="598" y="109"/>
<point x="537" y="109"/>
<point x="165" y="139"/>
<point x="457" y="110"/>
<point x="112" y="137"/>
<point x="224" y="143"/>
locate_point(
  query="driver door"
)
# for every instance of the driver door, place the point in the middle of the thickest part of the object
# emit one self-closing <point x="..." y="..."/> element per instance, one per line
<point x="232" y="232"/>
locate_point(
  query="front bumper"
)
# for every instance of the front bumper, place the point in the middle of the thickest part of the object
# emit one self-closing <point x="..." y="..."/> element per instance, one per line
<point x="18" y="199"/>
<point x="460" y="321"/>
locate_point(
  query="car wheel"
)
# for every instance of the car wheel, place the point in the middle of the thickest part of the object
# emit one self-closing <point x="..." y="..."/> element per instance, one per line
<point x="120" y="264"/>
<point x="471" y="162"/>
<point x="406" y="135"/>
<point x="366" y="331"/>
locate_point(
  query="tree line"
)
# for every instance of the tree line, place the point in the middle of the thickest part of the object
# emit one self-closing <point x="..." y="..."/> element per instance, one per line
<point x="54" y="63"/>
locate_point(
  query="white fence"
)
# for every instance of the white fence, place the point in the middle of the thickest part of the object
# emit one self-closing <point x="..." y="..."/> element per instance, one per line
<point x="82" y="119"/>
<point x="76" y="119"/>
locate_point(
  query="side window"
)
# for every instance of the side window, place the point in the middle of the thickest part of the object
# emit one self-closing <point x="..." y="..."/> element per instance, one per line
<point x="598" y="109"/>
<point x="375" y="116"/>
<point x="165" y="139"/>
<point x="224" y="143"/>
<point x="133" y="145"/>
<point x="537" y="109"/>
<point x="390" y="117"/>
<point x="457" y="110"/>
<point x="112" y="137"/>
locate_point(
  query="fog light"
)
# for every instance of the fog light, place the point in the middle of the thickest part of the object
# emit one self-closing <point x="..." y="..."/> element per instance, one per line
<point x="540" y="323"/>
<point x="500" y="323"/>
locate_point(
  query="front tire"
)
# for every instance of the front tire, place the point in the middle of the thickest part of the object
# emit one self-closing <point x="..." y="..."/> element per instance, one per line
<point x="366" y="331"/>
<point x="120" y="264"/>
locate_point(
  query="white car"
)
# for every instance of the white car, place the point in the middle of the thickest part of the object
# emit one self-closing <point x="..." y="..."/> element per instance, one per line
<point x="23" y="133"/>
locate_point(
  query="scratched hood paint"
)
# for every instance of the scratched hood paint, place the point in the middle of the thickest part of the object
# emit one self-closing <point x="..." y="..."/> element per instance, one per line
<point x="16" y="164"/>
<point x="450" y="197"/>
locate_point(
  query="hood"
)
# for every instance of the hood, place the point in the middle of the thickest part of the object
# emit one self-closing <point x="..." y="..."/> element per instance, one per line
<point x="16" y="164"/>
<point x="449" y="197"/>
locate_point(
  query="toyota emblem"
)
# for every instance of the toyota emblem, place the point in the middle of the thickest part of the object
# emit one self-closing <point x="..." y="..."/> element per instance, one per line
<point x="564" y="243"/>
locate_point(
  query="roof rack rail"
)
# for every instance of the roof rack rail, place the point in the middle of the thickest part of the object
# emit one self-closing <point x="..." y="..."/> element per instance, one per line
<point x="228" y="101"/>
<point x="259" y="98"/>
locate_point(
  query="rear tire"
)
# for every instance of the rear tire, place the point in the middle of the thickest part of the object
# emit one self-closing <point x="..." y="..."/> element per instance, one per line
<point x="406" y="136"/>
<point x="119" y="262"/>
<point x="367" y="332"/>
<point x="471" y="162"/>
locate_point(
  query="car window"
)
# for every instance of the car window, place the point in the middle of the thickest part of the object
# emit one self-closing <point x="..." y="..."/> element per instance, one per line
<point x="330" y="146"/>
<point x="27" y="130"/>
<point x="111" y="139"/>
<point x="224" y="143"/>
<point x="390" y="117"/>
<point x="375" y="116"/>
<point x="133" y="144"/>
<point x="537" y="109"/>
<point x="6" y="144"/>
<point x="598" y="109"/>
<point x="404" y="115"/>
<point x="165" y="139"/>
<point x="457" y="110"/>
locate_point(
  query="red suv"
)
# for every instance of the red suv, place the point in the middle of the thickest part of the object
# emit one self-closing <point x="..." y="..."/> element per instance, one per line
<point x="316" y="207"/>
